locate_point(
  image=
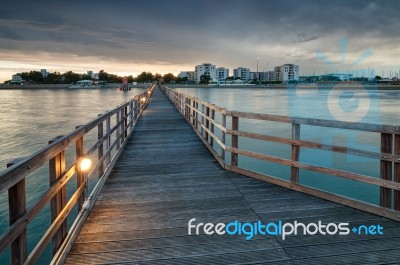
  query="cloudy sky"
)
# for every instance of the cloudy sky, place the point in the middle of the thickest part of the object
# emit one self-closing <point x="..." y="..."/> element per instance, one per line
<point x="128" y="37"/>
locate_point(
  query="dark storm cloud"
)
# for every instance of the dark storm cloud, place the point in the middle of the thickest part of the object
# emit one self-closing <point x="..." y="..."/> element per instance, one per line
<point x="180" y="31"/>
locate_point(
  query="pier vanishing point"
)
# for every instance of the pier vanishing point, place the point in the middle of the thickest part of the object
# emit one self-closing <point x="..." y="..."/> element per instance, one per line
<point x="164" y="158"/>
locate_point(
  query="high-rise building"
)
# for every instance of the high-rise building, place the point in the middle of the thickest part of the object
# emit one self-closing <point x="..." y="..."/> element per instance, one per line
<point x="44" y="73"/>
<point x="288" y="72"/>
<point x="222" y="73"/>
<point x="190" y="75"/>
<point x="206" y="69"/>
<point x="242" y="73"/>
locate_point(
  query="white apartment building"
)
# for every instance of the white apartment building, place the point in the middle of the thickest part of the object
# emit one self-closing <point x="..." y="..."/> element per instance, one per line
<point x="242" y="73"/>
<point x="191" y="75"/>
<point x="288" y="72"/>
<point x="16" y="79"/>
<point x="255" y="75"/>
<point x="206" y="69"/>
<point x="222" y="73"/>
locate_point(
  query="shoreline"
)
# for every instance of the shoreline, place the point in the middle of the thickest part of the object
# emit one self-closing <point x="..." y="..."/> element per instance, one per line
<point x="63" y="87"/>
<point x="278" y="86"/>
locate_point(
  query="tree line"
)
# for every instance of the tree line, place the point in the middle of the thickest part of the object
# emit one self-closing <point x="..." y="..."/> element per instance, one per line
<point x="36" y="77"/>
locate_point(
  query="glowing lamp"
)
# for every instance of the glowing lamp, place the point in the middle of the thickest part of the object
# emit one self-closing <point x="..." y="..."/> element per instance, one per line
<point x="84" y="164"/>
<point x="143" y="99"/>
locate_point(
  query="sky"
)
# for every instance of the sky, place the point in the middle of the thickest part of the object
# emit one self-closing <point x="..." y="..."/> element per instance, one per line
<point x="128" y="37"/>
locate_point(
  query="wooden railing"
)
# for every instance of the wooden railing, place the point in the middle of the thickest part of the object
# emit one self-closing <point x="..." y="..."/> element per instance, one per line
<point x="201" y="116"/>
<point x="12" y="181"/>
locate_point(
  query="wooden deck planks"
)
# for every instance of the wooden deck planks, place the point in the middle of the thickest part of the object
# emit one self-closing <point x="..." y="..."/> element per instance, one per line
<point x="166" y="176"/>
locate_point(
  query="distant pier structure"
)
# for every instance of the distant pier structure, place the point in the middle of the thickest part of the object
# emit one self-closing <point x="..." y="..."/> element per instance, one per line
<point x="125" y="85"/>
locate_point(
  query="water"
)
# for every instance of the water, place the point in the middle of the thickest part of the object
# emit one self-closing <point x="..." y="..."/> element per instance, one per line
<point x="28" y="120"/>
<point x="367" y="106"/>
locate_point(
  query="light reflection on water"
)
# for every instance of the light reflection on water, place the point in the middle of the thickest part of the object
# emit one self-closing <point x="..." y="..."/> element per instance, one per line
<point x="28" y="120"/>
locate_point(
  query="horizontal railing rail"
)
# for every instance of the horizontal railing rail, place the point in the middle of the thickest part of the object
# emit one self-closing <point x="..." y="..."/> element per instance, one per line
<point x="110" y="143"/>
<point x="201" y="116"/>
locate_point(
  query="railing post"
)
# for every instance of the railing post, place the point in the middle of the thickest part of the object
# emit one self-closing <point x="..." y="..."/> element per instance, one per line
<point x="212" y="127"/>
<point x="126" y="122"/>
<point x="202" y="120"/>
<point x="386" y="169"/>
<point x="223" y="136"/>
<point x="80" y="177"/>
<point x="193" y="113"/>
<point x="397" y="172"/>
<point x="17" y="208"/>
<point x="123" y="125"/>
<point x="197" y="116"/>
<point x="108" y="141"/>
<point x="136" y="109"/>
<point x="56" y="170"/>
<point x="117" y="133"/>
<point x="187" y="109"/>
<point x="294" y="174"/>
<point x="100" y="151"/>
<point x="207" y="124"/>
<point x="131" y="111"/>
<point x="235" y="141"/>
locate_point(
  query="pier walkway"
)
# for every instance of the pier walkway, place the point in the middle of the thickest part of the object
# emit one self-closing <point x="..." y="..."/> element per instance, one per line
<point x="166" y="176"/>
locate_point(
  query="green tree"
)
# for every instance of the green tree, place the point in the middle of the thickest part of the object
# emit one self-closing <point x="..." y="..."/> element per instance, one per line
<point x="103" y="75"/>
<point x="35" y="77"/>
<point x="378" y="77"/>
<point x="53" y="78"/>
<point x="71" y="77"/>
<point x="168" y="78"/>
<point x="205" y="79"/>
<point x="145" y="77"/>
<point x="157" y="77"/>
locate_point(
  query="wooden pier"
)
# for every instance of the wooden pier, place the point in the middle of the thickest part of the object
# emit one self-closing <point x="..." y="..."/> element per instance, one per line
<point x="166" y="176"/>
<point x="165" y="173"/>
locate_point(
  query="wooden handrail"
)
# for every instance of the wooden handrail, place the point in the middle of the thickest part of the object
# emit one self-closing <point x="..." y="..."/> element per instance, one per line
<point x="197" y="113"/>
<point x="10" y="180"/>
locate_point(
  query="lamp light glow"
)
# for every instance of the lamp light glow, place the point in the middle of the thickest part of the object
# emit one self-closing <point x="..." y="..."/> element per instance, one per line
<point x="143" y="99"/>
<point x="85" y="164"/>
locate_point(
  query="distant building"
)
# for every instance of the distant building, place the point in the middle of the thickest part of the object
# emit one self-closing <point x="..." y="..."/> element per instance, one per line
<point x="16" y="79"/>
<point x="90" y="73"/>
<point x="255" y="75"/>
<point x="44" y="73"/>
<point x="242" y="73"/>
<point x="288" y="72"/>
<point x="206" y="69"/>
<point x="283" y="73"/>
<point x="191" y="75"/>
<point x="342" y="77"/>
<point x="222" y="73"/>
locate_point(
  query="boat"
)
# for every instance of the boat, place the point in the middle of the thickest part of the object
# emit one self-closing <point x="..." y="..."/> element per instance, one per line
<point x="83" y="84"/>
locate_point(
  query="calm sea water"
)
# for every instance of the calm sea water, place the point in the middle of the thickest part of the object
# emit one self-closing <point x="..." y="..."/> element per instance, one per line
<point x="362" y="105"/>
<point x="29" y="118"/>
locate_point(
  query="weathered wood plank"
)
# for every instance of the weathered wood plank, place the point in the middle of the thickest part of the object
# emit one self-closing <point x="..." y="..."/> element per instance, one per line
<point x="160" y="183"/>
